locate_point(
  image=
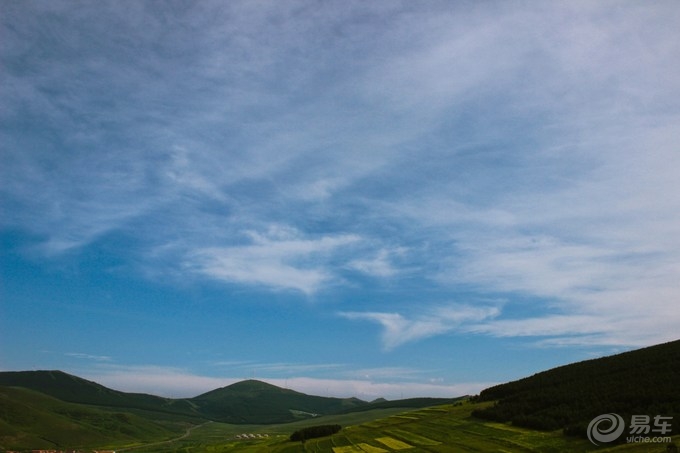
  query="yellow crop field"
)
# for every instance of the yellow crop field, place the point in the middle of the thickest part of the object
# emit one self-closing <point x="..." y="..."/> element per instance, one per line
<point x="347" y="449"/>
<point x="393" y="443"/>
<point x="412" y="437"/>
<point x="371" y="449"/>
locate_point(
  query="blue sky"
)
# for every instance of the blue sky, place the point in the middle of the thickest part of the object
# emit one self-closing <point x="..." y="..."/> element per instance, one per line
<point x="363" y="199"/>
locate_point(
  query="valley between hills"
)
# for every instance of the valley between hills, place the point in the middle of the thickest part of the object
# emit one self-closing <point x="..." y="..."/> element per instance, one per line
<point x="546" y="412"/>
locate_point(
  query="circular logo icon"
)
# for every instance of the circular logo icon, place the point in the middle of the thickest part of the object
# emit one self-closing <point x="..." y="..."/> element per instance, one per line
<point x="608" y="433"/>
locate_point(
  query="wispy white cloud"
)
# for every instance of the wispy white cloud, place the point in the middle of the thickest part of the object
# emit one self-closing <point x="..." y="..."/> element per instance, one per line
<point x="598" y="255"/>
<point x="279" y="368"/>
<point x="380" y="265"/>
<point x="392" y="374"/>
<point x="279" y="259"/>
<point x="580" y="221"/>
<point x="97" y="358"/>
<point x="398" y="329"/>
<point x="601" y="252"/>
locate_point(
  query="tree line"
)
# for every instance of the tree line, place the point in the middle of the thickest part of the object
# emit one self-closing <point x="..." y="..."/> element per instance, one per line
<point x="312" y="432"/>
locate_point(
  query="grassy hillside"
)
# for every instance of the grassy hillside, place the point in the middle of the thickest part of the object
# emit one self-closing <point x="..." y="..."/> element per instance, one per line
<point x="29" y="419"/>
<point x="73" y="389"/>
<point x="643" y="381"/>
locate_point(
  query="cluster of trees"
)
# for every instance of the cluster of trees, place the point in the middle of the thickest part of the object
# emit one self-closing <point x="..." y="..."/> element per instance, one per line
<point x="312" y="432"/>
<point x="642" y="382"/>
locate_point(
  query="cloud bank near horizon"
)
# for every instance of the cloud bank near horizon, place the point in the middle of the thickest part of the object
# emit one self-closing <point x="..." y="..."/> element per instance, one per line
<point x="177" y="383"/>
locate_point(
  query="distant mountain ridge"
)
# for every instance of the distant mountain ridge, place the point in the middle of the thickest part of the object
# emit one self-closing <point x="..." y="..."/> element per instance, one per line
<point x="245" y="402"/>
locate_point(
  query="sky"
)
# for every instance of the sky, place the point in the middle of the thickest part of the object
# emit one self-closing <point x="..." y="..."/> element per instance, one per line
<point x="372" y="199"/>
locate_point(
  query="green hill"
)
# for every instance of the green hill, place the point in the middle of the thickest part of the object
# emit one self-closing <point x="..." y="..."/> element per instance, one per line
<point x="29" y="419"/>
<point x="73" y="389"/>
<point x="254" y="401"/>
<point x="641" y="382"/>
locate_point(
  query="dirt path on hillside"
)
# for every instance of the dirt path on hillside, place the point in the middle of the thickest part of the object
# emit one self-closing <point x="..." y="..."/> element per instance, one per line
<point x="164" y="442"/>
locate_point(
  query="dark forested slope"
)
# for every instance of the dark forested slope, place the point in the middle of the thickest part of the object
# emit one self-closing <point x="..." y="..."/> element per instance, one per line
<point x="641" y="382"/>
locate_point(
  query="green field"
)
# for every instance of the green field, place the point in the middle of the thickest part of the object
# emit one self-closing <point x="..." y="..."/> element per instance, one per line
<point x="439" y="429"/>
